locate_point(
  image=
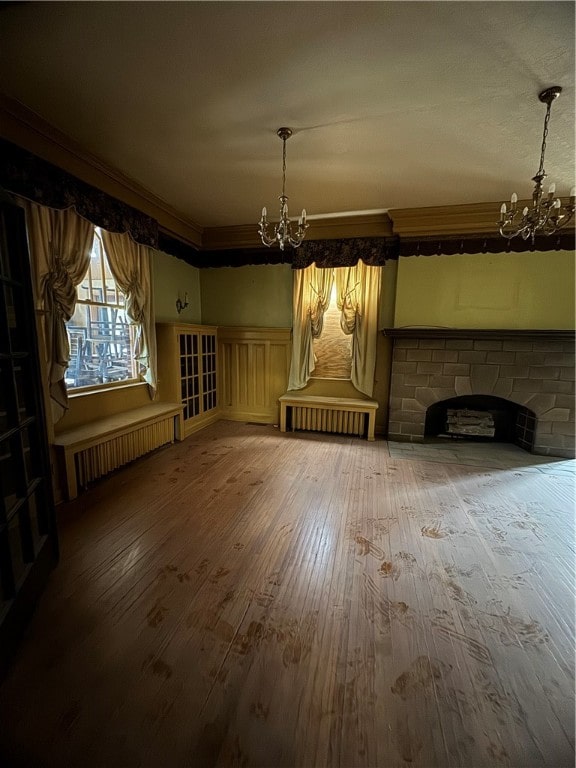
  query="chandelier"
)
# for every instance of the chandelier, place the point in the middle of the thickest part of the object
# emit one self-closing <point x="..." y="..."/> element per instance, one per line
<point x="283" y="232"/>
<point x="546" y="215"/>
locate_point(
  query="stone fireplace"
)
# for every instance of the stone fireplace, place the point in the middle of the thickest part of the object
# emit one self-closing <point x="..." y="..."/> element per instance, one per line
<point x="531" y="373"/>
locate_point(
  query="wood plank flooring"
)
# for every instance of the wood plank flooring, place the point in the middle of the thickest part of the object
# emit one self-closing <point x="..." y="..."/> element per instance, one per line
<point x="247" y="598"/>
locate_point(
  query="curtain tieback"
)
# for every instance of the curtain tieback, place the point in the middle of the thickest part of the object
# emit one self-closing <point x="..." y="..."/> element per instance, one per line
<point x="132" y="286"/>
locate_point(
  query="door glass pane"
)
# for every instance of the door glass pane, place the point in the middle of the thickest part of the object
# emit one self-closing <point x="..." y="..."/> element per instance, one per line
<point x="16" y="320"/>
<point x="8" y="470"/>
<point x="6" y="581"/>
<point x="4" y="259"/>
<point x="37" y="521"/>
<point x="16" y="549"/>
<point x="28" y="437"/>
<point x="5" y="383"/>
<point x="14" y="332"/>
<point x="24" y="394"/>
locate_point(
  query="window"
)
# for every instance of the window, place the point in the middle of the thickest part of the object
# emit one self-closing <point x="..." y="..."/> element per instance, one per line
<point x="333" y="349"/>
<point x="101" y="336"/>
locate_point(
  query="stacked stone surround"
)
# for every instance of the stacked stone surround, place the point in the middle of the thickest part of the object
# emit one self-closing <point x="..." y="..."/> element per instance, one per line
<point x="537" y="373"/>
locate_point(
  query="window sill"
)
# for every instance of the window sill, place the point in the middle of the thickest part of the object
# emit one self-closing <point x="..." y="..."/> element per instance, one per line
<point x="79" y="393"/>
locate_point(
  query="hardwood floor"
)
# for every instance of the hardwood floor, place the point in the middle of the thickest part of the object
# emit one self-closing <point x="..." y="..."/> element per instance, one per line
<point x="247" y="598"/>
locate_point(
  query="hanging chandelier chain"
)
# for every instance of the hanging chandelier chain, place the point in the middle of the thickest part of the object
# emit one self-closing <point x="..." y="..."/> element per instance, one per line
<point x="284" y="168"/>
<point x="541" y="170"/>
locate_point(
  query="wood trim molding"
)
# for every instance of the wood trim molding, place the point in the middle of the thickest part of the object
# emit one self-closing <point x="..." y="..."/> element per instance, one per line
<point x="332" y="228"/>
<point x="475" y="218"/>
<point x="25" y="128"/>
<point x="241" y="236"/>
<point x="250" y="333"/>
<point x="479" y="333"/>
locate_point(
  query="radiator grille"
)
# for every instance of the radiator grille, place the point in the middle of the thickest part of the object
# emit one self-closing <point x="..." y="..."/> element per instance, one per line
<point x="327" y="420"/>
<point x="98" y="460"/>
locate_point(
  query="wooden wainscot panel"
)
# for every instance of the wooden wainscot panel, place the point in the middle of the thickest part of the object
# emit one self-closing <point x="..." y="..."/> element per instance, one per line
<point x="253" y="366"/>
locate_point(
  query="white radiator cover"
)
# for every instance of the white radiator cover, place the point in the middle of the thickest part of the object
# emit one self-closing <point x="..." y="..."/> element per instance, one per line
<point x="327" y="420"/>
<point x="99" y="460"/>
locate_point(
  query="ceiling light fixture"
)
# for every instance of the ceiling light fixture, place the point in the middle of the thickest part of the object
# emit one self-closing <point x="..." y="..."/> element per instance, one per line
<point x="283" y="233"/>
<point x="546" y="215"/>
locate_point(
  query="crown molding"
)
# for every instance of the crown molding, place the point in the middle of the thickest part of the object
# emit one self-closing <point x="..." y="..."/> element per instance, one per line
<point x="28" y="130"/>
<point x="475" y="218"/>
<point x="332" y="228"/>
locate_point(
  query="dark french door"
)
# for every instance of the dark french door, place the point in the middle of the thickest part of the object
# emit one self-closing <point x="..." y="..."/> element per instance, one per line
<point x="28" y="539"/>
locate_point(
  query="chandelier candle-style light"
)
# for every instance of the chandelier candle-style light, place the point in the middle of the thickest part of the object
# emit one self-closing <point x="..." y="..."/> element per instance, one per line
<point x="546" y="215"/>
<point x="283" y="232"/>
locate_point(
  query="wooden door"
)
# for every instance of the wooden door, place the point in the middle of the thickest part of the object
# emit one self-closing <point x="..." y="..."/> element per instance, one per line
<point x="28" y="538"/>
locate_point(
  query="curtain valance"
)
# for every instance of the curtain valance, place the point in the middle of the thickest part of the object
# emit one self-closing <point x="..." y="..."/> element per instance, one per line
<point x="24" y="174"/>
<point x="330" y="254"/>
<point x="451" y="245"/>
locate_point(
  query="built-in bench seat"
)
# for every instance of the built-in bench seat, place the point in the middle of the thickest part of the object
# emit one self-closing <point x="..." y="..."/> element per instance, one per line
<point x="96" y="448"/>
<point x="346" y="415"/>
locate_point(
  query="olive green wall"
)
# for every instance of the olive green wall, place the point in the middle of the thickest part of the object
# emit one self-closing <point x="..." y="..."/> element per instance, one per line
<point x="261" y="296"/>
<point x="505" y="290"/>
<point x="173" y="279"/>
<point x="388" y="295"/>
<point x="256" y="296"/>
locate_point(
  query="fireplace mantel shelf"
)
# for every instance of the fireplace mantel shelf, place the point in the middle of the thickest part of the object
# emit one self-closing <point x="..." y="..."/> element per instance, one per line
<point x="426" y="332"/>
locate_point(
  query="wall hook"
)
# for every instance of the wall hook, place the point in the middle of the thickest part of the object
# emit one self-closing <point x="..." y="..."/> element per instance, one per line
<point x="180" y="305"/>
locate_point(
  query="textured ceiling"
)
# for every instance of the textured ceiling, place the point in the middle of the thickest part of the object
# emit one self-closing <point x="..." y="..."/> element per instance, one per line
<point x="393" y="104"/>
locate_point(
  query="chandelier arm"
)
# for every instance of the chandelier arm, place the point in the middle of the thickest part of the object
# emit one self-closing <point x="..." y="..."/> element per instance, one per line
<point x="263" y="232"/>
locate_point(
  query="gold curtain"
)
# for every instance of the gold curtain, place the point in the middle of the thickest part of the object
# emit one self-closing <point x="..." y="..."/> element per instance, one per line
<point x="60" y="245"/>
<point x="131" y="268"/>
<point x="311" y="297"/>
<point x="358" y="296"/>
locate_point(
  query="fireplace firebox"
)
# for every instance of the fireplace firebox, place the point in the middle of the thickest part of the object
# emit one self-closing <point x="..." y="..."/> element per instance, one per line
<point x="482" y="418"/>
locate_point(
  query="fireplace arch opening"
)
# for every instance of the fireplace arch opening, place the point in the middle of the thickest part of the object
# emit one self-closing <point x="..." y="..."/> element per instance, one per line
<point x="481" y="418"/>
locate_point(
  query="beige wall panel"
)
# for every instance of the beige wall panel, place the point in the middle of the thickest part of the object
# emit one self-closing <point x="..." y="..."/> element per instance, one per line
<point x="242" y="374"/>
<point x="253" y="365"/>
<point x="225" y="383"/>
<point x="260" y="380"/>
<point x="279" y="369"/>
<point x="94" y="406"/>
